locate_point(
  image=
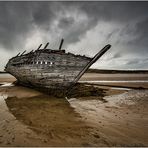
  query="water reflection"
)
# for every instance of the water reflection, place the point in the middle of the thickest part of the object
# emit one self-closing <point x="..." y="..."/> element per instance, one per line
<point x="5" y="84"/>
<point x="51" y="117"/>
<point x="43" y="120"/>
<point x="44" y="113"/>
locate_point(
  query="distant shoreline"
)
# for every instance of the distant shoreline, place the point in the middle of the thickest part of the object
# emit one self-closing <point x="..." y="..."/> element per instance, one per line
<point x="106" y="71"/>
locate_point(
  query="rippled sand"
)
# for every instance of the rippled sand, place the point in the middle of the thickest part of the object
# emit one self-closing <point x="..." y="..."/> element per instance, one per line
<point x="31" y="118"/>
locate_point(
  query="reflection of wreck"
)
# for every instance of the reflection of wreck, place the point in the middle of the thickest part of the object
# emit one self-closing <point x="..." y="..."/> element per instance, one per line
<point x="51" y="69"/>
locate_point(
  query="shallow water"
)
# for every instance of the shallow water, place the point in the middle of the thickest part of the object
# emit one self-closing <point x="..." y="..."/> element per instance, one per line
<point x="6" y="84"/>
<point x="113" y="81"/>
<point x="31" y="118"/>
<point x="47" y="118"/>
<point x="119" y="88"/>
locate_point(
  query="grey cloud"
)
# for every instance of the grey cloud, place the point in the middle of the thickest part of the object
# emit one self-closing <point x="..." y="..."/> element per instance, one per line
<point x="13" y="23"/>
<point x="65" y="22"/>
<point x="132" y="62"/>
<point x="73" y="21"/>
<point x="141" y="29"/>
<point x="119" y="11"/>
<point x="18" y="18"/>
<point x="43" y="13"/>
<point x="117" y="55"/>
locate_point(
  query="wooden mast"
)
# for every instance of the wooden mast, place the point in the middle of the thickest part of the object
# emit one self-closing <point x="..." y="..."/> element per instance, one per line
<point x="60" y="47"/>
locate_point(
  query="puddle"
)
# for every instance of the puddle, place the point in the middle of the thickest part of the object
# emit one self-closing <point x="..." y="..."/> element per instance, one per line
<point x="41" y="120"/>
<point x="119" y="88"/>
<point x="30" y="118"/>
<point x="6" y="84"/>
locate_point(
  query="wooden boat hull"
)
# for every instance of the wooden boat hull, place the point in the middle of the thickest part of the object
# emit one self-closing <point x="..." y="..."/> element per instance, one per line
<point x="51" y="70"/>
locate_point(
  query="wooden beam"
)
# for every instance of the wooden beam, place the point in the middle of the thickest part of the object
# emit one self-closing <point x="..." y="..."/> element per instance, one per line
<point x="61" y="44"/>
<point x="94" y="59"/>
<point x="46" y="45"/>
<point x="39" y="47"/>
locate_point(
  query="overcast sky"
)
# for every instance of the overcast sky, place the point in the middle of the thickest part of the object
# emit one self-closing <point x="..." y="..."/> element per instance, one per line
<point x="86" y="27"/>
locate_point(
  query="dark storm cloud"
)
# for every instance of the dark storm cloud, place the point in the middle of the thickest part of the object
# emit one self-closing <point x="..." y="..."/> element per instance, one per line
<point x="18" y="18"/>
<point x="141" y="29"/>
<point x="65" y="22"/>
<point x="73" y="21"/>
<point x="133" y="16"/>
<point x="13" y="23"/>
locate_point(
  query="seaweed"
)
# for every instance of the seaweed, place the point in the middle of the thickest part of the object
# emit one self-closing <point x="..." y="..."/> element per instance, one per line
<point x="83" y="90"/>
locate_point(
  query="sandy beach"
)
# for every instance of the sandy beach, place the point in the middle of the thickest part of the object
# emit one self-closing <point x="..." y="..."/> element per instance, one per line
<point x="32" y="118"/>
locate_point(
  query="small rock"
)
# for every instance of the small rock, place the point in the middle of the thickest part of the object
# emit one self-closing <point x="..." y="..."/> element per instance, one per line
<point x="45" y="140"/>
<point x="96" y="136"/>
<point x="13" y="138"/>
<point x="8" y="142"/>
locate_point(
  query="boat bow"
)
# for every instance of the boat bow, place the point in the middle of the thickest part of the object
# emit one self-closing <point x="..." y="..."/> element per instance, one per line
<point x="93" y="60"/>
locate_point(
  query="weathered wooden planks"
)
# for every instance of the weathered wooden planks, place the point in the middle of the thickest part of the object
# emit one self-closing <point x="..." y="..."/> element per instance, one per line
<point x="50" y="68"/>
<point x="47" y="69"/>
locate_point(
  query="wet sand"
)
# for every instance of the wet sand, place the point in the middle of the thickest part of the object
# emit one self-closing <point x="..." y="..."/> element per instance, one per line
<point x="31" y="118"/>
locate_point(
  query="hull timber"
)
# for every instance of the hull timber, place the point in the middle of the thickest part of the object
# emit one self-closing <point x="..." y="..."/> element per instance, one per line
<point x="51" y="69"/>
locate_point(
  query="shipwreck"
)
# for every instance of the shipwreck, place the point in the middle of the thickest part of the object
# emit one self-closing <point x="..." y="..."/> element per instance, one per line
<point x="50" y="69"/>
